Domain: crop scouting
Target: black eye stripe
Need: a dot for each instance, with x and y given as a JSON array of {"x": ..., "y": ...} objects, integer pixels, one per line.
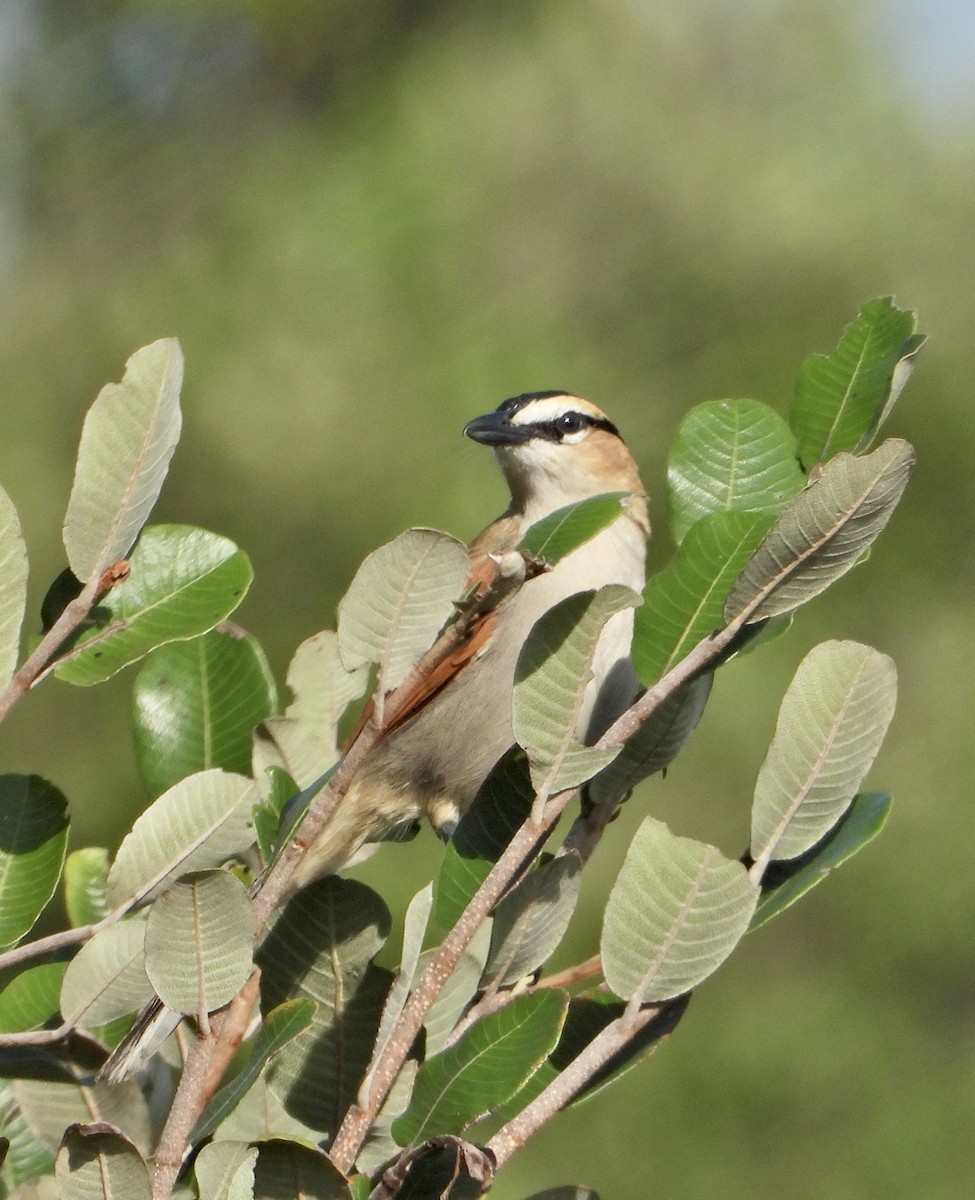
[{"x": 556, "y": 429}]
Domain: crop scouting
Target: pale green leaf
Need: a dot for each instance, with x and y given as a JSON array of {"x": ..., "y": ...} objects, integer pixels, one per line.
[
  {"x": 842, "y": 398},
  {"x": 13, "y": 587},
  {"x": 129, "y": 436},
  {"x": 278, "y": 1028},
  {"x": 531, "y": 920},
  {"x": 553, "y": 672},
  {"x": 97, "y": 1162},
  {"x": 199, "y": 823},
  {"x": 182, "y": 581},
  {"x": 568, "y": 528},
  {"x": 684, "y": 602},
  {"x": 831, "y": 725},
  {"x": 823, "y": 533},
  {"x": 380, "y": 1145},
  {"x": 677, "y": 910},
  {"x": 225, "y": 1171},
  {"x": 33, "y": 837},
  {"x": 49, "y": 1106},
  {"x": 414, "y": 930},
  {"x": 85, "y": 879},
  {"x": 304, "y": 742},
  {"x": 483, "y": 1068},
  {"x": 400, "y": 598},
  {"x": 200, "y": 942},
  {"x": 107, "y": 978},
  {"x": 730, "y": 455},
  {"x": 261, "y": 1114},
  {"x": 288, "y": 1171},
  {"x": 321, "y": 948},
  {"x": 30, "y": 999},
  {"x": 195, "y": 704}
]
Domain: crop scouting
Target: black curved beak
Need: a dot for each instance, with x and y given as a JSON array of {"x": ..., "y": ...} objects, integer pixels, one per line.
[{"x": 496, "y": 429}]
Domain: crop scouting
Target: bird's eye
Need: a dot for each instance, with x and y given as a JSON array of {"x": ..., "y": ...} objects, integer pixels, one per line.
[{"x": 571, "y": 422}]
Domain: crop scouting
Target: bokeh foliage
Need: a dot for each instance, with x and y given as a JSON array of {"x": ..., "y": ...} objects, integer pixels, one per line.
[{"x": 369, "y": 223}]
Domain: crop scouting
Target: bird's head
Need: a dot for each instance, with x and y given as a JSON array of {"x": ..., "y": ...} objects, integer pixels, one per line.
[{"x": 555, "y": 449}]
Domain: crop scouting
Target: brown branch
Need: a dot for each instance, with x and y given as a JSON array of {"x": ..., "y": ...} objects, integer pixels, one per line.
[
  {"x": 71, "y": 618},
  {"x": 203, "y": 1069},
  {"x": 570, "y": 1082},
  {"x": 572, "y": 975},
  {"x": 526, "y": 842}
]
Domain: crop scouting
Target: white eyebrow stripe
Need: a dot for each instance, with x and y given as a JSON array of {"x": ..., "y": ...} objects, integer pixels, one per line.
[{"x": 549, "y": 409}]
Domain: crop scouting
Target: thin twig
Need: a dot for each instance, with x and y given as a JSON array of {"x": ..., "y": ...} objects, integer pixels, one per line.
[{"x": 573, "y": 975}]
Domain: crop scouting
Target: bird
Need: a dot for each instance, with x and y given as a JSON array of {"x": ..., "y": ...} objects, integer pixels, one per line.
[{"x": 553, "y": 449}]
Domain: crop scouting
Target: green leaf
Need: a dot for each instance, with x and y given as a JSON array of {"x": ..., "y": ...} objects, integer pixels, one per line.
[
  {"x": 267, "y": 815},
  {"x": 831, "y": 725},
  {"x": 198, "y": 824},
  {"x": 684, "y": 602},
  {"x": 321, "y": 948},
  {"x": 30, "y": 999},
  {"x": 288, "y": 1171},
  {"x": 501, "y": 806},
  {"x": 33, "y": 837},
  {"x": 200, "y": 942},
  {"x": 655, "y": 744},
  {"x": 225, "y": 1171},
  {"x": 399, "y": 600},
  {"x": 823, "y": 533},
  {"x": 484, "y": 1067},
  {"x": 13, "y": 587},
  {"x": 568, "y": 528},
  {"x": 182, "y": 582},
  {"x": 260, "y": 1114},
  {"x": 195, "y": 704},
  {"x": 278, "y": 1028},
  {"x": 49, "y": 1106},
  {"x": 85, "y": 878},
  {"x": 97, "y": 1162},
  {"x": 26, "y": 1158},
  {"x": 842, "y": 398},
  {"x": 107, "y": 978},
  {"x": 860, "y": 824},
  {"x": 128, "y": 438},
  {"x": 553, "y": 672},
  {"x": 531, "y": 920},
  {"x": 304, "y": 742},
  {"x": 730, "y": 455},
  {"x": 677, "y": 910}
]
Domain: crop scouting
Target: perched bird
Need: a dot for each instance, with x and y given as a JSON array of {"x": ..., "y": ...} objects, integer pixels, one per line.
[{"x": 554, "y": 449}]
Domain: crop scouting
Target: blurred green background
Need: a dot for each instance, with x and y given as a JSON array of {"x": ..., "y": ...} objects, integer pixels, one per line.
[{"x": 370, "y": 220}]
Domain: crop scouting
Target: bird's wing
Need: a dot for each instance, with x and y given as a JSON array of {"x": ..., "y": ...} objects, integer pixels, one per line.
[{"x": 498, "y": 539}]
